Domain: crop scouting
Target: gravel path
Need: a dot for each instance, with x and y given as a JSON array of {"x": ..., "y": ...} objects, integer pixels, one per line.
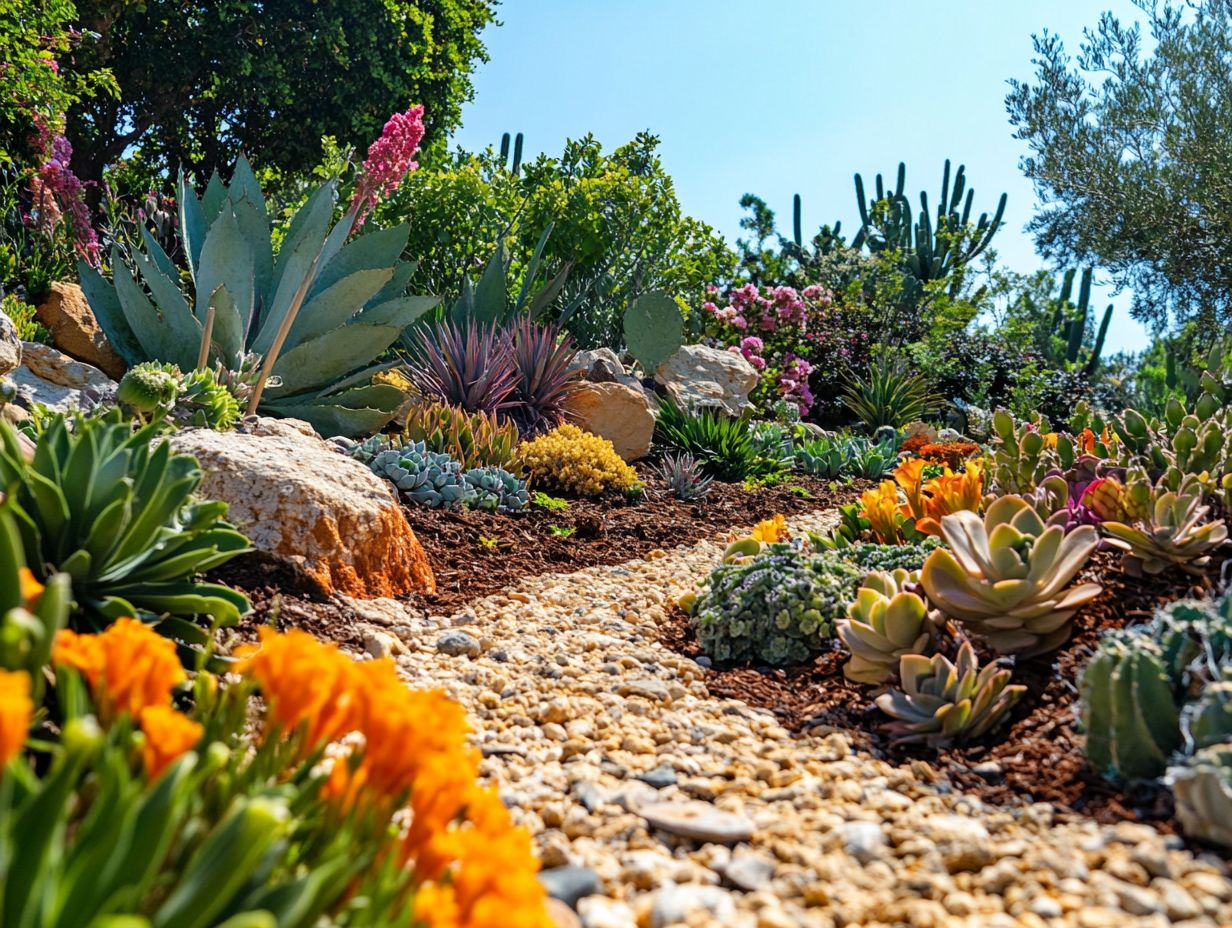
[{"x": 654, "y": 804}]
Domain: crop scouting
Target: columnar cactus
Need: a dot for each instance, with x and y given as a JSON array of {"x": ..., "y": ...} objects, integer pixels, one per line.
[
  {"x": 1208, "y": 719},
  {"x": 942, "y": 702},
  {"x": 1202, "y": 786},
  {"x": 1008, "y": 576},
  {"x": 1129, "y": 710},
  {"x": 885, "y": 622}
]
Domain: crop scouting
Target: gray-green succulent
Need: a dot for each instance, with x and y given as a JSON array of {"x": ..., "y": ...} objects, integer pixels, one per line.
[
  {"x": 495, "y": 489},
  {"x": 1202, "y": 786},
  {"x": 423, "y": 477}
]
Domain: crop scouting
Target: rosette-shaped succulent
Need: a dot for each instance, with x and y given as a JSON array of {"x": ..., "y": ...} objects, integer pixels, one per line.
[
  {"x": 1175, "y": 533},
  {"x": 495, "y": 489},
  {"x": 1129, "y": 709},
  {"x": 205, "y": 403},
  {"x": 1203, "y": 790},
  {"x": 148, "y": 387},
  {"x": 944, "y": 703},
  {"x": 423, "y": 477},
  {"x": 1009, "y": 577},
  {"x": 885, "y": 622},
  {"x": 366, "y": 450},
  {"x": 778, "y": 607}
]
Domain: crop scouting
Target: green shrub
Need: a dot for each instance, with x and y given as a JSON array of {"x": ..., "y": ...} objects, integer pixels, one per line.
[
  {"x": 890, "y": 395},
  {"x": 727, "y": 448},
  {"x": 29, "y": 329}
]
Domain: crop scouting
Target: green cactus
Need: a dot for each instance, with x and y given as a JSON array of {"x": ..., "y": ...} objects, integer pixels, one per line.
[
  {"x": 517, "y": 154},
  {"x": 1069, "y": 321},
  {"x": 1208, "y": 719},
  {"x": 1202, "y": 786},
  {"x": 1022, "y": 457},
  {"x": 1129, "y": 708},
  {"x": 778, "y": 607},
  {"x": 149, "y": 388},
  {"x": 654, "y": 329},
  {"x": 886, "y": 622}
]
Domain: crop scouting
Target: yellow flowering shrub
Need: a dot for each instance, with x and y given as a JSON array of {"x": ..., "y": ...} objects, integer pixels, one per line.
[{"x": 574, "y": 461}]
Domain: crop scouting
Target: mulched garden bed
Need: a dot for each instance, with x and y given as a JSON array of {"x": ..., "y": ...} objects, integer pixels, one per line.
[{"x": 1037, "y": 758}]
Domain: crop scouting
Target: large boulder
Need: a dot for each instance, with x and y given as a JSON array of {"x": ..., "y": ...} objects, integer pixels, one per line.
[
  {"x": 602, "y": 365},
  {"x": 10, "y": 345},
  {"x": 51, "y": 378},
  {"x": 297, "y": 498},
  {"x": 620, "y": 413},
  {"x": 67, "y": 315},
  {"x": 697, "y": 375}
]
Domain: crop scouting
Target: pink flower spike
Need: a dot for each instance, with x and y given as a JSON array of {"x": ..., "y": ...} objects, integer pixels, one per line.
[{"x": 390, "y": 159}]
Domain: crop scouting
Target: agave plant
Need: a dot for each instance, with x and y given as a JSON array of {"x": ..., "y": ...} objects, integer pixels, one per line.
[
  {"x": 885, "y": 623},
  {"x": 943, "y": 703},
  {"x": 725, "y": 446},
  {"x": 683, "y": 477},
  {"x": 318, "y": 313},
  {"x": 1175, "y": 533},
  {"x": 824, "y": 457},
  {"x": 113, "y": 509},
  {"x": 889, "y": 395},
  {"x": 1008, "y": 576}
]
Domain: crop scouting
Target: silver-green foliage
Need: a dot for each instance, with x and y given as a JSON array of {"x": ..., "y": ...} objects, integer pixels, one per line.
[
  {"x": 1202, "y": 785},
  {"x": 320, "y": 311},
  {"x": 779, "y": 607},
  {"x": 872, "y": 557},
  {"x": 423, "y": 477},
  {"x": 495, "y": 489}
]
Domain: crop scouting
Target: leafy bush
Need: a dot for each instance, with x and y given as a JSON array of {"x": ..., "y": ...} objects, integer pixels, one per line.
[
  {"x": 727, "y": 447},
  {"x": 113, "y": 509},
  {"x": 574, "y": 461},
  {"x": 778, "y": 607},
  {"x": 890, "y": 395},
  {"x": 29, "y": 329}
]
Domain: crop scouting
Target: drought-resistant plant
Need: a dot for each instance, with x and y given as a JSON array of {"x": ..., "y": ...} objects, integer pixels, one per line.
[
  {"x": 113, "y": 508},
  {"x": 779, "y": 606},
  {"x": 472, "y": 439},
  {"x": 890, "y": 395},
  {"x": 1009, "y": 577},
  {"x": 871, "y": 556},
  {"x": 885, "y": 622},
  {"x": 1202, "y": 785},
  {"x": 423, "y": 477},
  {"x": 870, "y": 458},
  {"x": 30, "y": 612},
  {"x": 153, "y": 389},
  {"x": 726, "y": 446},
  {"x": 578, "y": 462},
  {"x": 542, "y": 356},
  {"x": 467, "y": 366},
  {"x": 1175, "y": 533},
  {"x": 318, "y": 313},
  {"x": 495, "y": 489},
  {"x": 930, "y": 499},
  {"x": 683, "y": 477},
  {"x": 943, "y": 702},
  {"x": 1023, "y": 454},
  {"x": 825, "y": 457},
  {"x": 1208, "y": 719}
]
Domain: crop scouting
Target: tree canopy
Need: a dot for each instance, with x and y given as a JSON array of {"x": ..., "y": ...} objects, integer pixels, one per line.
[
  {"x": 1131, "y": 157},
  {"x": 200, "y": 81}
]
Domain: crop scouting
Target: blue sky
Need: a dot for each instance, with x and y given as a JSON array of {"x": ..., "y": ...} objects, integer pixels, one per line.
[{"x": 784, "y": 97}]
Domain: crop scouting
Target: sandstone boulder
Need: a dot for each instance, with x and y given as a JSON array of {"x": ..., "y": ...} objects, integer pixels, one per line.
[
  {"x": 67, "y": 315},
  {"x": 620, "y": 413},
  {"x": 10, "y": 345},
  {"x": 698, "y": 375},
  {"x": 297, "y": 498},
  {"x": 602, "y": 365},
  {"x": 55, "y": 380}
]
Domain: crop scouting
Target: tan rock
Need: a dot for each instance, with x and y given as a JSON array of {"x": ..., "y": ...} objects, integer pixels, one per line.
[
  {"x": 297, "y": 498},
  {"x": 53, "y": 379},
  {"x": 698, "y": 375},
  {"x": 10, "y": 345},
  {"x": 67, "y": 315},
  {"x": 622, "y": 414}
]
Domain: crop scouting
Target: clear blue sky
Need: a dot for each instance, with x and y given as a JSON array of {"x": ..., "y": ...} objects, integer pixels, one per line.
[{"x": 784, "y": 96}]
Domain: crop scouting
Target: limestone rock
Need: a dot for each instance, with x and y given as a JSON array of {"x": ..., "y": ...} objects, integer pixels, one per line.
[
  {"x": 55, "y": 380},
  {"x": 67, "y": 315},
  {"x": 620, "y": 413},
  {"x": 698, "y": 375},
  {"x": 602, "y": 365},
  {"x": 10, "y": 345},
  {"x": 297, "y": 498},
  {"x": 698, "y": 821}
]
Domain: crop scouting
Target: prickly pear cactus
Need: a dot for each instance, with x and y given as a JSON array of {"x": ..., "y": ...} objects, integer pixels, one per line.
[{"x": 654, "y": 329}]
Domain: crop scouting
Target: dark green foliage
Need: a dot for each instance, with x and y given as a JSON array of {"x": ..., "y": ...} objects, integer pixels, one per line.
[
  {"x": 113, "y": 509},
  {"x": 892, "y": 394},
  {"x": 725, "y": 446}
]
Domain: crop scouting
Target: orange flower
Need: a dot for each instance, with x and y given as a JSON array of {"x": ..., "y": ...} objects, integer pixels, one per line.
[
  {"x": 16, "y": 710},
  {"x": 910, "y": 476},
  {"x": 950, "y": 453},
  {"x": 305, "y": 682},
  {"x": 951, "y": 493},
  {"x": 168, "y": 734},
  {"x": 771, "y": 530},
  {"x": 1086, "y": 441},
  {"x": 31, "y": 589},
  {"x": 884, "y": 514},
  {"x": 128, "y": 667}
]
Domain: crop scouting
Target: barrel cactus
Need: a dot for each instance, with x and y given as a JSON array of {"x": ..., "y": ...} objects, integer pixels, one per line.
[
  {"x": 1129, "y": 708},
  {"x": 778, "y": 607},
  {"x": 421, "y": 476},
  {"x": 943, "y": 702},
  {"x": 149, "y": 387},
  {"x": 495, "y": 489},
  {"x": 1208, "y": 719},
  {"x": 1202, "y": 786},
  {"x": 1008, "y": 576},
  {"x": 885, "y": 622}
]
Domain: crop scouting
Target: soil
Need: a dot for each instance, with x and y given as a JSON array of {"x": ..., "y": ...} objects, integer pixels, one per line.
[{"x": 1037, "y": 758}]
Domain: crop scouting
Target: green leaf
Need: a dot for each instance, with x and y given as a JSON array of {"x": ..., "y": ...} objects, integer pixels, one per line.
[
  {"x": 323, "y": 359},
  {"x": 159, "y": 341},
  {"x": 226, "y": 260},
  {"x": 333, "y": 307},
  {"x": 105, "y": 304}
]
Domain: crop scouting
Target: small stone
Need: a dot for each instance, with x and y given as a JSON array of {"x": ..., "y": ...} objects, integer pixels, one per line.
[
  {"x": 660, "y": 777},
  {"x": 601, "y": 912},
  {"x": 990, "y": 770},
  {"x": 458, "y": 644},
  {"x": 1046, "y": 907},
  {"x": 749, "y": 872},
  {"x": 562, "y": 916},
  {"x": 863, "y": 840},
  {"x": 698, "y": 821},
  {"x": 647, "y": 689},
  {"x": 674, "y": 904},
  {"x": 1137, "y": 900},
  {"x": 569, "y": 884}
]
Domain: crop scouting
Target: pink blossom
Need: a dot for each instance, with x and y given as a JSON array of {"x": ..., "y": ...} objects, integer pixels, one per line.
[
  {"x": 390, "y": 158},
  {"x": 58, "y": 193},
  {"x": 739, "y": 322},
  {"x": 752, "y": 343}
]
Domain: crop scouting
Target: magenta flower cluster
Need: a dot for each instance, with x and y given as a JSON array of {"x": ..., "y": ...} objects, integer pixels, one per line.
[
  {"x": 56, "y": 193},
  {"x": 390, "y": 158}
]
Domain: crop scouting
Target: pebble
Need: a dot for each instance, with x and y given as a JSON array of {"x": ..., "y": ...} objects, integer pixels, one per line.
[
  {"x": 863, "y": 840},
  {"x": 749, "y": 872},
  {"x": 569, "y": 884},
  {"x": 458, "y": 644},
  {"x": 674, "y": 904},
  {"x": 697, "y": 821},
  {"x": 660, "y": 777}
]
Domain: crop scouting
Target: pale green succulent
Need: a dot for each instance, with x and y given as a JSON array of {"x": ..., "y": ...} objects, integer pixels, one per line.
[
  {"x": 884, "y": 623},
  {"x": 319, "y": 313},
  {"x": 495, "y": 489},
  {"x": 149, "y": 387},
  {"x": 943, "y": 703},
  {"x": 1202, "y": 786},
  {"x": 1174, "y": 534},
  {"x": 1208, "y": 719},
  {"x": 1009, "y": 577},
  {"x": 421, "y": 476}
]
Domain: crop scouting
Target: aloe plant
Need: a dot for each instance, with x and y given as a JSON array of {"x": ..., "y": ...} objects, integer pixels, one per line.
[{"x": 319, "y": 312}]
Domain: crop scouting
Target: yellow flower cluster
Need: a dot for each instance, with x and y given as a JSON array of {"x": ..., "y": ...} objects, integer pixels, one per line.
[
  {"x": 575, "y": 461},
  {"x": 16, "y": 710},
  {"x": 927, "y": 500},
  {"x": 473, "y": 867},
  {"x": 131, "y": 670},
  {"x": 768, "y": 531}
]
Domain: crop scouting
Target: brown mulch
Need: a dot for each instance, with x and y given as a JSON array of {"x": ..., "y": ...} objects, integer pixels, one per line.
[{"x": 1037, "y": 758}]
